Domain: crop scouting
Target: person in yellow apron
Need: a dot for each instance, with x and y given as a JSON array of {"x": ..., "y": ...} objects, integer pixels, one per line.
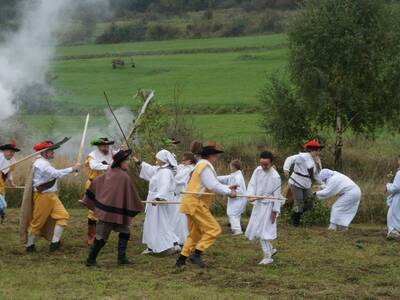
[
  {"x": 7, "y": 152},
  {"x": 203, "y": 227},
  {"x": 97, "y": 163}
]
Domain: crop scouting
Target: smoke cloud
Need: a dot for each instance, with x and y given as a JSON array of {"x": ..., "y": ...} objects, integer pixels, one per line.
[{"x": 25, "y": 55}]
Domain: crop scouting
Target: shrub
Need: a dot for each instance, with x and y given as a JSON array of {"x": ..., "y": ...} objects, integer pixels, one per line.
[
  {"x": 122, "y": 33},
  {"x": 162, "y": 32}
]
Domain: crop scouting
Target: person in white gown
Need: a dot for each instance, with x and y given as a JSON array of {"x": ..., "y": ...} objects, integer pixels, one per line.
[
  {"x": 158, "y": 234},
  {"x": 262, "y": 226},
  {"x": 393, "y": 201},
  {"x": 345, "y": 208},
  {"x": 236, "y": 206},
  {"x": 183, "y": 172}
]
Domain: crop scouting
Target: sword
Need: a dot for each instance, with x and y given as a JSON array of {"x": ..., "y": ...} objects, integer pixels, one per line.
[
  {"x": 80, "y": 152},
  {"x": 142, "y": 111},
  {"x": 115, "y": 118}
]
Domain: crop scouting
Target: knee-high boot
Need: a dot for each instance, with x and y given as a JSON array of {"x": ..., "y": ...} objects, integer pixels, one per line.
[
  {"x": 94, "y": 251},
  {"x": 123, "y": 239}
]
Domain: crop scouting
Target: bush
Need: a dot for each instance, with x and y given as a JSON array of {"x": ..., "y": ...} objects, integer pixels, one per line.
[
  {"x": 235, "y": 28},
  {"x": 123, "y": 33},
  {"x": 162, "y": 32}
]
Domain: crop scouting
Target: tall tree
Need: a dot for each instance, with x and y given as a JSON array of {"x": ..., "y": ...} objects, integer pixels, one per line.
[{"x": 345, "y": 61}]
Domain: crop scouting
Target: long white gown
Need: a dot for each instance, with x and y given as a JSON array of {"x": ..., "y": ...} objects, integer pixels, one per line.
[
  {"x": 235, "y": 206},
  {"x": 302, "y": 162},
  {"x": 263, "y": 183},
  {"x": 158, "y": 234},
  {"x": 178, "y": 219},
  {"x": 393, "y": 201},
  {"x": 345, "y": 208}
]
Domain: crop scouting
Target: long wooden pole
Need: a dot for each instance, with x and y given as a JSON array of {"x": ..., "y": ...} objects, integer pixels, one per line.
[
  {"x": 82, "y": 145},
  {"x": 162, "y": 202},
  {"x": 24, "y": 159},
  {"x": 239, "y": 196}
]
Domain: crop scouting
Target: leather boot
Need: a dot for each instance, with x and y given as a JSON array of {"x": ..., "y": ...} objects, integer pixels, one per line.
[
  {"x": 181, "y": 262},
  {"x": 195, "y": 259},
  {"x": 94, "y": 251},
  {"x": 296, "y": 217},
  {"x": 123, "y": 239}
]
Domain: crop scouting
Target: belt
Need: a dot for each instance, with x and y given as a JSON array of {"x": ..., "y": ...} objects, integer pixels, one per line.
[{"x": 302, "y": 175}]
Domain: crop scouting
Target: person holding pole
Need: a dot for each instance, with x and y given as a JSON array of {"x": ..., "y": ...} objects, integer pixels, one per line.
[
  {"x": 7, "y": 152},
  {"x": 158, "y": 233},
  {"x": 114, "y": 199},
  {"x": 263, "y": 221},
  {"x": 48, "y": 213},
  {"x": 203, "y": 227}
]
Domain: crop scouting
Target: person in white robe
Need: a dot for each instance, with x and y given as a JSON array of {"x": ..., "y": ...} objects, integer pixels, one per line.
[
  {"x": 178, "y": 219},
  {"x": 158, "y": 234},
  {"x": 345, "y": 208},
  {"x": 393, "y": 201},
  {"x": 236, "y": 206},
  {"x": 262, "y": 226},
  {"x": 306, "y": 167}
]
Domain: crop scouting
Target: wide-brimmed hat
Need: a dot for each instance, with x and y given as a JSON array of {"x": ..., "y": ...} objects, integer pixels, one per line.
[
  {"x": 101, "y": 141},
  {"x": 49, "y": 145},
  {"x": 210, "y": 150},
  {"x": 313, "y": 144},
  {"x": 174, "y": 141},
  {"x": 11, "y": 146},
  {"x": 120, "y": 156}
]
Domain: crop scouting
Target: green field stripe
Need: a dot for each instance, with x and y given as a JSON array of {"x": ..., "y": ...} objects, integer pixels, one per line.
[{"x": 172, "y": 52}]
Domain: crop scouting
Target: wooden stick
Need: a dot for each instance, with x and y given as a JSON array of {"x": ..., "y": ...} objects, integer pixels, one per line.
[
  {"x": 24, "y": 159},
  {"x": 239, "y": 196},
  {"x": 161, "y": 202},
  {"x": 15, "y": 187},
  {"x": 82, "y": 146}
]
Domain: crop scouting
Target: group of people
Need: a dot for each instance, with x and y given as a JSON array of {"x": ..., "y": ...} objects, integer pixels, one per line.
[{"x": 178, "y": 217}]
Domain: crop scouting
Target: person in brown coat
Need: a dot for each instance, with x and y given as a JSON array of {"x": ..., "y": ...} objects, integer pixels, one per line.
[{"x": 115, "y": 201}]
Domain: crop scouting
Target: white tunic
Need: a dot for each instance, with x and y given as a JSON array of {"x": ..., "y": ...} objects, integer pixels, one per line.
[
  {"x": 346, "y": 206},
  {"x": 263, "y": 183},
  {"x": 96, "y": 163},
  {"x": 178, "y": 219},
  {"x": 236, "y": 206},
  {"x": 44, "y": 172},
  {"x": 302, "y": 163},
  {"x": 158, "y": 233},
  {"x": 393, "y": 201},
  {"x": 4, "y": 163}
]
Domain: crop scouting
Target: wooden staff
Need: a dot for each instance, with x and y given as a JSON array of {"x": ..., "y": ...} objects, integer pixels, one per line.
[
  {"x": 82, "y": 146},
  {"x": 240, "y": 196},
  {"x": 24, "y": 159},
  {"x": 15, "y": 187},
  {"x": 161, "y": 202}
]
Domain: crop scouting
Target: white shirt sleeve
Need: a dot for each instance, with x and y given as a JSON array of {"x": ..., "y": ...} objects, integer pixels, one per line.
[
  {"x": 97, "y": 166},
  {"x": 394, "y": 187},
  {"x": 210, "y": 181},
  {"x": 289, "y": 162},
  {"x": 224, "y": 179},
  {"x": 277, "y": 194},
  {"x": 147, "y": 171},
  {"x": 251, "y": 187},
  {"x": 51, "y": 172},
  {"x": 330, "y": 190}
]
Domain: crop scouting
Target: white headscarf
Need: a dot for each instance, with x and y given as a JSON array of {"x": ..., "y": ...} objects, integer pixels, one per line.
[
  {"x": 167, "y": 157},
  {"x": 325, "y": 174}
]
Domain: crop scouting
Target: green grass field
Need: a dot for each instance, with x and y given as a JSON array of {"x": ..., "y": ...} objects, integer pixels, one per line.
[{"x": 311, "y": 264}]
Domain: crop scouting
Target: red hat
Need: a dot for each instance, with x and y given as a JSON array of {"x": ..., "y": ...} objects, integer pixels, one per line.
[
  {"x": 314, "y": 144},
  {"x": 43, "y": 145}
]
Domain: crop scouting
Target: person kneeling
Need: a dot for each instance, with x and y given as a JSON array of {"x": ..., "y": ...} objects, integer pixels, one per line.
[{"x": 114, "y": 200}]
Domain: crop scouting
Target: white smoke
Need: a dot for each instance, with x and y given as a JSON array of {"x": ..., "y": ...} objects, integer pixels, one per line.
[{"x": 25, "y": 55}]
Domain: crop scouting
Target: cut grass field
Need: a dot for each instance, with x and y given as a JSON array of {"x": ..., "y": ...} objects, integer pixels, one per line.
[{"x": 311, "y": 263}]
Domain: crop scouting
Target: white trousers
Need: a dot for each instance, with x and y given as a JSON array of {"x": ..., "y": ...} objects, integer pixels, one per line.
[
  {"x": 266, "y": 247},
  {"x": 234, "y": 220}
]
